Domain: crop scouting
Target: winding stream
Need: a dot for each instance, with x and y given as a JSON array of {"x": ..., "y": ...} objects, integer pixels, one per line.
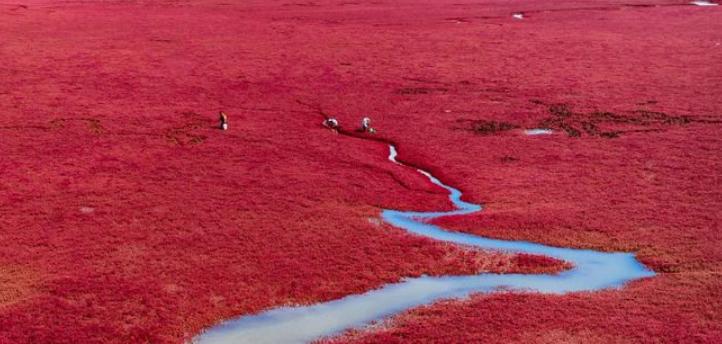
[{"x": 592, "y": 270}]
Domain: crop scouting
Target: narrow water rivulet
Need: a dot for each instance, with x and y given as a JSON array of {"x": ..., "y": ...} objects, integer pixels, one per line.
[{"x": 592, "y": 270}]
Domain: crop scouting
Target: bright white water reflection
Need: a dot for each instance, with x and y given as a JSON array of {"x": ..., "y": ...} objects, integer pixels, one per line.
[
  {"x": 592, "y": 271},
  {"x": 703, "y": 3},
  {"x": 538, "y": 131}
]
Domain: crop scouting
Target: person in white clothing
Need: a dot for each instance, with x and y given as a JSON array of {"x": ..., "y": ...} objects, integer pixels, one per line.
[
  {"x": 331, "y": 123},
  {"x": 366, "y": 125}
]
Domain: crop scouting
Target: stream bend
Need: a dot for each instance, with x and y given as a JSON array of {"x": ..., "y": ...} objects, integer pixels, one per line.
[{"x": 591, "y": 271}]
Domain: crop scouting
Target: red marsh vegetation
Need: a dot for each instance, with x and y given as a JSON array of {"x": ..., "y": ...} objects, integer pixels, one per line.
[{"x": 126, "y": 216}]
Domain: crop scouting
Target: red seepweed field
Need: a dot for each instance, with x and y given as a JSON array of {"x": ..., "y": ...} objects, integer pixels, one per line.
[{"x": 127, "y": 217}]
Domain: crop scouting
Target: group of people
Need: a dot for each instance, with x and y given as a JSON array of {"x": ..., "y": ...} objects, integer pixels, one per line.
[
  {"x": 330, "y": 123},
  {"x": 333, "y": 124}
]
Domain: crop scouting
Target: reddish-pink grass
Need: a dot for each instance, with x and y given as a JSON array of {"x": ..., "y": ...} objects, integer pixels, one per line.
[{"x": 139, "y": 222}]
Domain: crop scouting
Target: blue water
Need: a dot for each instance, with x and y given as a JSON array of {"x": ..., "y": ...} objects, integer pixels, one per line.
[{"x": 592, "y": 270}]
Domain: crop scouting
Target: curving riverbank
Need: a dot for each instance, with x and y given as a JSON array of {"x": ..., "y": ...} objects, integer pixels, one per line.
[{"x": 592, "y": 270}]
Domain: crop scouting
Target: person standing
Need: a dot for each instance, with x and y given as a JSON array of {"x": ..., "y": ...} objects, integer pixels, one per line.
[
  {"x": 224, "y": 121},
  {"x": 366, "y": 125}
]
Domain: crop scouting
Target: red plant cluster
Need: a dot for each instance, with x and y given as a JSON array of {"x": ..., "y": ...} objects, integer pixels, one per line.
[{"x": 126, "y": 216}]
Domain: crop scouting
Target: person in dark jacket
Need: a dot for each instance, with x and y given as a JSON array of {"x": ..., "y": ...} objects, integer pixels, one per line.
[{"x": 223, "y": 121}]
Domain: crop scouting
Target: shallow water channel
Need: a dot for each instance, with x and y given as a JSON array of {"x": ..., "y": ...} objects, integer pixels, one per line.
[{"x": 592, "y": 270}]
